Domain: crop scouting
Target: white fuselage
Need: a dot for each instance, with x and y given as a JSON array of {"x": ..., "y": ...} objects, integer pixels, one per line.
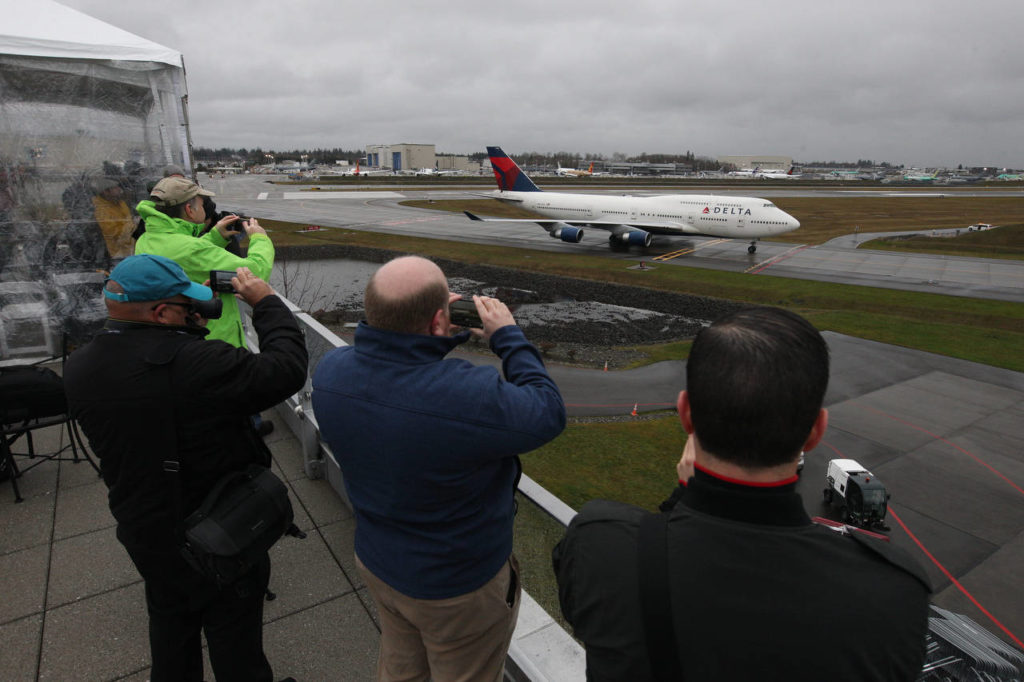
[{"x": 718, "y": 216}]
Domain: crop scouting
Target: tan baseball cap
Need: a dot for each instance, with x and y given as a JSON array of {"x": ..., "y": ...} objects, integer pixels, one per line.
[{"x": 174, "y": 190}]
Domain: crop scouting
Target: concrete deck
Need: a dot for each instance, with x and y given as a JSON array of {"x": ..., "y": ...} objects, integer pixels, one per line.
[{"x": 72, "y": 604}]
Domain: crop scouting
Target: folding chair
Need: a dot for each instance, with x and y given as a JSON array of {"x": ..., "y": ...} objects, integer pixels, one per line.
[{"x": 33, "y": 398}]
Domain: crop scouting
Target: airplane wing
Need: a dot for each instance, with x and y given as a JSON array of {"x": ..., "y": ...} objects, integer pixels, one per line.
[
  {"x": 655, "y": 227},
  {"x": 490, "y": 195}
]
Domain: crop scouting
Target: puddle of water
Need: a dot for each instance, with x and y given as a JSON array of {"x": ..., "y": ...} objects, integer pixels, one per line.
[{"x": 338, "y": 284}]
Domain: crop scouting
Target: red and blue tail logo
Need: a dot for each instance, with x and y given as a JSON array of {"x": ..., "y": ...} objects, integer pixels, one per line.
[{"x": 509, "y": 176}]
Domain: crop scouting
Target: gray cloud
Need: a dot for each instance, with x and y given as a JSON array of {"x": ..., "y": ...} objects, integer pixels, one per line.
[{"x": 920, "y": 82}]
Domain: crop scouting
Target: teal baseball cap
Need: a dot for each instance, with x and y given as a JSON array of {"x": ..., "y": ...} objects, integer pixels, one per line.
[{"x": 148, "y": 277}]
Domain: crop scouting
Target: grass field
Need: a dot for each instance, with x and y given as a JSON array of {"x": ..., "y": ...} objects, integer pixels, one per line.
[{"x": 1006, "y": 241}]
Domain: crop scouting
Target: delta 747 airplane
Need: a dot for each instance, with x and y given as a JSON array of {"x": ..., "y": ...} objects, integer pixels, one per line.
[{"x": 632, "y": 220}]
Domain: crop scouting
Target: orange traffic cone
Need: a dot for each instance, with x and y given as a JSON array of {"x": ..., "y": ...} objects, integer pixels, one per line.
[
  {"x": 635, "y": 405},
  {"x": 606, "y": 365}
]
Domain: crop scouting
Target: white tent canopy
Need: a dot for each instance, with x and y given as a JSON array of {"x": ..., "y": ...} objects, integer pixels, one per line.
[
  {"x": 85, "y": 107},
  {"x": 76, "y": 93},
  {"x": 43, "y": 28}
]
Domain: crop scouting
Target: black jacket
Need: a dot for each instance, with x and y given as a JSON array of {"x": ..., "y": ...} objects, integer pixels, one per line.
[
  {"x": 758, "y": 591},
  {"x": 145, "y": 394}
]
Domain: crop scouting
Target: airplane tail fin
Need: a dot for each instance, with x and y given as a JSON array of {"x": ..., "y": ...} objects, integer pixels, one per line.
[
  {"x": 591, "y": 169},
  {"x": 509, "y": 176}
]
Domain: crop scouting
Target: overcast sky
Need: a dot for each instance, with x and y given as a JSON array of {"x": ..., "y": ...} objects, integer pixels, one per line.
[{"x": 917, "y": 82}]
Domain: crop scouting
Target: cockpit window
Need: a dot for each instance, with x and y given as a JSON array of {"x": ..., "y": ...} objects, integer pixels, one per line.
[{"x": 768, "y": 205}]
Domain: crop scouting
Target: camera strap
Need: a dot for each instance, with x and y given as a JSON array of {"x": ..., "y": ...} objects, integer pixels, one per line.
[{"x": 656, "y": 597}]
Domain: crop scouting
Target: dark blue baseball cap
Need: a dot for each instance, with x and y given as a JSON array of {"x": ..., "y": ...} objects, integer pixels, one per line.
[{"x": 148, "y": 277}]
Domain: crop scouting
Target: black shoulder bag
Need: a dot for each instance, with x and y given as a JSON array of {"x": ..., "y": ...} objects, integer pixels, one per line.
[
  {"x": 244, "y": 515},
  {"x": 655, "y": 598},
  {"x": 240, "y": 519}
]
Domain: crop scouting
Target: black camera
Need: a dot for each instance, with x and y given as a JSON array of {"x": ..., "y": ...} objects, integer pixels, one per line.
[
  {"x": 236, "y": 226},
  {"x": 220, "y": 280},
  {"x": 215, "y": 216},
  {"x": 463, "y": 313},
  {"x": 211, "y": 310}
]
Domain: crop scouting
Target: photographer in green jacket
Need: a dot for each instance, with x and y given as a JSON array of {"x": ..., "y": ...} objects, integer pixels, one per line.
[{"x": 174, "y": 216}]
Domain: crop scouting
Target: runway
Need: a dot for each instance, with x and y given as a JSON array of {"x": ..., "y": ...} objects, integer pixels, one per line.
[{"x": 836, "y": 261}]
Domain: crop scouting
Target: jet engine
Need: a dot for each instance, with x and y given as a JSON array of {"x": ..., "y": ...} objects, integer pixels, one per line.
[
  {"x": 632, "y": 238},
  {"x": 566, "y": 233}
]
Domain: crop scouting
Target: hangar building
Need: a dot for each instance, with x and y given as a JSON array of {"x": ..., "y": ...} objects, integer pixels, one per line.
[{"x": 399, "y": 157}]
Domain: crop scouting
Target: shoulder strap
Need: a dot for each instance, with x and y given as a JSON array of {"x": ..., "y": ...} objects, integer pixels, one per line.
[
  {"x": 655, "y": 598},
  {"x": 172, "y": 467}
]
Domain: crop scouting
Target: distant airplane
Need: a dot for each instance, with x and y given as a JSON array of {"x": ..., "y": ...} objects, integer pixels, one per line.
[
  {"x": 575, "y": 173},
  {"x": 632, "y": 220},
  {"x": 919, "y": 176},
  {"x": 778, "y": 174},
  {"x": 1010, "y": 176},
  {"x": 961, "y": 179},
  {"x": 435, "y": 171},
  {"x": 367, "y": 171},
  {"x": 744, "y": 172}
]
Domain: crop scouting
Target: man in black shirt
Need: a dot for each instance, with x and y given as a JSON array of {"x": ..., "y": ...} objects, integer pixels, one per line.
[
  {"x": 749, "y": 587},
  {"x": 149, "y": 391}
]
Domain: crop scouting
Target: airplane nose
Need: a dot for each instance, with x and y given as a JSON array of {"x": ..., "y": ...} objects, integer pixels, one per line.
[{"x": 791, "y": 223}]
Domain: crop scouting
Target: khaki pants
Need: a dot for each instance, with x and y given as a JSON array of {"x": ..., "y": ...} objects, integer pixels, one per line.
[{"x": 461, "y": 639}]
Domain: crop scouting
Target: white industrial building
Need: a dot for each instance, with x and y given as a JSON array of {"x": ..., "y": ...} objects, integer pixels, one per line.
[
  {"x": 400, "y": 157},
  {"x": 416, "y": 157}
]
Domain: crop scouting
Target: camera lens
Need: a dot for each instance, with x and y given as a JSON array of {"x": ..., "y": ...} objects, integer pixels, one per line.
[{"x": 211, "y": 309}]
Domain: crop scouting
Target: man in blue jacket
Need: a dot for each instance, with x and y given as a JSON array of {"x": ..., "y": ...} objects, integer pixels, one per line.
[{"x": 429, "y": 450}]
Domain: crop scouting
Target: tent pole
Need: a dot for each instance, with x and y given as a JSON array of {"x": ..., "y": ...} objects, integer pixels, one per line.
[{"x": 185, "y": 122}]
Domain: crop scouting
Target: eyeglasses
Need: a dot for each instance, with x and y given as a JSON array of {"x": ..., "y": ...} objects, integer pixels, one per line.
[
  {"x": 189, "y": 306},
  {"x": 210, "y": 310}
]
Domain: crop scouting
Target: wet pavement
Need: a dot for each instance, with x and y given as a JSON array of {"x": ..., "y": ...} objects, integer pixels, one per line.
[{"x": 73, "y": 606}]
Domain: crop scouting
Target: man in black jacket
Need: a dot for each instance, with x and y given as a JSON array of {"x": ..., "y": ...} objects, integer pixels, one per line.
[
  {"x": 149, "y": 390},
  {"x": 746, "y": 585}
]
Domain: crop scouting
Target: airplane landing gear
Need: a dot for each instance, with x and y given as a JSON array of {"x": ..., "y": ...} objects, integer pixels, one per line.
[{"x": 752, "y": 248}]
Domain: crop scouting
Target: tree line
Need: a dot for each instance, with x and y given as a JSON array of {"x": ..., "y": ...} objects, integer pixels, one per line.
[{"x": 259, "y": 156}]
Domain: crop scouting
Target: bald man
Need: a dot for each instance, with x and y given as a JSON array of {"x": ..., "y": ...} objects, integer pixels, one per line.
[
  {"x": 429, "y": 447},
  {"x": 157, "y": 401}
]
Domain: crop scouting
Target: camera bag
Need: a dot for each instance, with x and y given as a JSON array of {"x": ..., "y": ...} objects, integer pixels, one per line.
[
  {"x": 244, "y": 514},
  {"x": 242, "y": 517}
]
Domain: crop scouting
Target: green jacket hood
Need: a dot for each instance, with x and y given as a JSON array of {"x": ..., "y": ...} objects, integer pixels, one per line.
[{"x": 161, "y": 222}]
